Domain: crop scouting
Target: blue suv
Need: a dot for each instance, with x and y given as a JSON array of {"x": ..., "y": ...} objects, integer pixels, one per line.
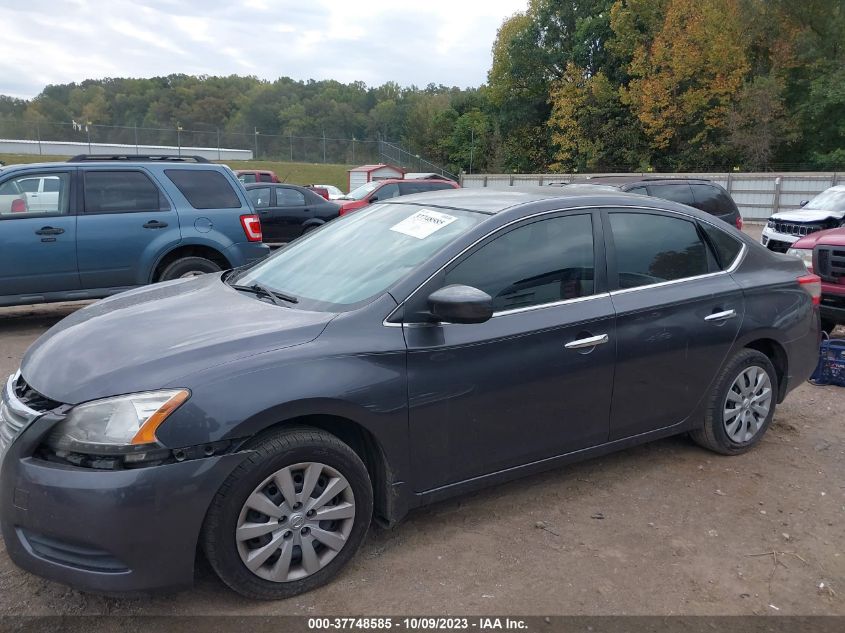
[{"x": 97, "y": 225}]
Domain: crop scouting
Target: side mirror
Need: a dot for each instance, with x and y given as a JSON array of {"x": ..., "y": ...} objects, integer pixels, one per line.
[
  {"x": 460, "y": 304},
  {"x": 803, "y": 203}
]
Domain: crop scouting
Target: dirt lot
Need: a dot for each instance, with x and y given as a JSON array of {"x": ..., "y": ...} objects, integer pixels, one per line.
[{"x": 666, "y": 528}]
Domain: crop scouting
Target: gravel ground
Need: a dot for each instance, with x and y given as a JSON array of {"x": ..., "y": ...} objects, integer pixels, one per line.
[{"x": 661, "y": 529}]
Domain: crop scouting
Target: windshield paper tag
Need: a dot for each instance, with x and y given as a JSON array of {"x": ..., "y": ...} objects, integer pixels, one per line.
[{"x": 423, "y": 223}]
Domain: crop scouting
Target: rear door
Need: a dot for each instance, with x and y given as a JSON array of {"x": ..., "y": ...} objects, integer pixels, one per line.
[
  {"x": 126, "y": 222},
  {"x": 677, "y": 316},
  {"x": 38, "y": 246},
  {"x": 283, "y": 220}
]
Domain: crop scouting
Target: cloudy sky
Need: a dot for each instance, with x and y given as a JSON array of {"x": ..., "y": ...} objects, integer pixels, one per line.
[{"x": 418, "y": 42}]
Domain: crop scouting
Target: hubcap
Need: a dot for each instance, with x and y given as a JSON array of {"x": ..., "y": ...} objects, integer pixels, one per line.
[
  {"x": 747, "y": 404},
  {"x": 295, "y": 522}
]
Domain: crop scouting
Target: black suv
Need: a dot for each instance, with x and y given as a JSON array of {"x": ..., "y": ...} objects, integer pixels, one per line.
[{"x": 699, "y": 193}]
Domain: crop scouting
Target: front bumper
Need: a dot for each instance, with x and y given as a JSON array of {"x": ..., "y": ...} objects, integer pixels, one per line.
[
  {"x": 775, "y": 241},
  {"x": 833, "y": 302},
  {"x": 105, "y": 531}
]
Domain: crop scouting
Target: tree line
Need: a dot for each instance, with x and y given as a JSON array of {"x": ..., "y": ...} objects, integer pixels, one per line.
[{"x": 575, "y": 85}]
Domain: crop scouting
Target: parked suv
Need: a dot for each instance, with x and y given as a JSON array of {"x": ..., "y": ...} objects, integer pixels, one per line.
[
  {"x": 380, "y": 190},
  {"x": 693, "y": 192},
  {"x": 98, "y": 225},
  {"x": 825, "y": 211},
  {"x": 824, "y": 254}
]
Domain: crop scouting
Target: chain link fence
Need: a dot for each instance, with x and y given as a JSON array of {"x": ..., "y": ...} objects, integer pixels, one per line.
[{"x": 262, "y": 144}]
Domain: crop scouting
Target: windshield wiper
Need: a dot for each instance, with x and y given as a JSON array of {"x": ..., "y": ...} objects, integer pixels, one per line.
[{"x": 274, "y": 295}]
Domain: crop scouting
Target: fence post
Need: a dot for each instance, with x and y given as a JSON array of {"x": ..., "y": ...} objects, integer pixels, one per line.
[
  {"x": 255, "y": 155},
  {"x": 485, "y": 181},
  {"x": 291, "y": 146},
  {"x": 730, "y": 182},
  {"x": 776, "y": 203},
  {"x": 136, "y": 139},
  {"x": 511, "y": 182},
  {"x": 324, "y": 146},
  {"x": 38, "y": 136},
  {"x": 218, "y": 143}
]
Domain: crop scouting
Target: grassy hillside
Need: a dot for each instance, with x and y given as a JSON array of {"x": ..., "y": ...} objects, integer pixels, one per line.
[{"x": 296, "y": 173}]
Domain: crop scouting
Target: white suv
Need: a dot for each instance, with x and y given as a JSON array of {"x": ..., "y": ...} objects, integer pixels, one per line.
[{"x": 825, "y": 211}]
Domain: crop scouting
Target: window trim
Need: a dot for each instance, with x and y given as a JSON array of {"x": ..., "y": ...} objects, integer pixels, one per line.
[
  {"x": 164, "y": 204},
  {"x": 386, "y": 322}
]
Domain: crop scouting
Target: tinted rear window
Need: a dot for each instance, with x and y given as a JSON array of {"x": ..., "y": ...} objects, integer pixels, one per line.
[
  {"x": 678, "y": 192},
  {"x": 204, "y": 188},
  {"x": 712, "y": 199},
  {"x": 726, "y": 246}
]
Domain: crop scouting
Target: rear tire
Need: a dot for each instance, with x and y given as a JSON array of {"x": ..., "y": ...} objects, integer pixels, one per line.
[
  {"x": 289, "y": 548},
  {"x": 188, "y": 267},
  {"x": 740, "y": 406}
]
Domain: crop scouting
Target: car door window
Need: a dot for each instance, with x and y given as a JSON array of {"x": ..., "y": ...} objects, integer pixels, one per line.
[
  {"x": 21, "y": 197},
  {"x": 286, "y": 197},
  {"x": 640, "y": 190},
  {"x": 204, "y": 188},
  {"x": 678, "y": 192},
  {"x": 542, "y": 262},
  {"x": 387, "y": 191},
  {"x": 651, "y": 249},
  {"x": 260, "y": 197},
  {"x": 121, "y": 192},
  {"x": 707, "y": 198}
]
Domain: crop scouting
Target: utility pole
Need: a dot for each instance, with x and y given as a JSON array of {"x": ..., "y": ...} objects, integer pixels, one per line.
[
  {"x": 179, "y": 138},
  {"x": 255, "y": 156}
]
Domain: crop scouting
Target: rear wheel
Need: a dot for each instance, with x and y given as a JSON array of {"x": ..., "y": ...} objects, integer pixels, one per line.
[
  {"x": 741, "y": 404},
  {"x": 289, "y": 517},
  {"x": 188, "y": 267}
]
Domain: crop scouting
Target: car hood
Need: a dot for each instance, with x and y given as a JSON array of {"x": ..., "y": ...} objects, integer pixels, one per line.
[
  {"x": 830, "y": 237},
  {"x": 148, "y": 338},
  {"x": 807, "y": 215}
]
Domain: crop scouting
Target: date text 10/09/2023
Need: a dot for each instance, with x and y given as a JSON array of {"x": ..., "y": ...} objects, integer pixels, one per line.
[{"x": 418, "y": 624}]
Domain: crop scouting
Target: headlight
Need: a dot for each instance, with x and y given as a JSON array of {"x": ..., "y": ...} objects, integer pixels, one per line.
[
  {"x": 804, "y": 254},
  {"x": 114, "y": 426}
]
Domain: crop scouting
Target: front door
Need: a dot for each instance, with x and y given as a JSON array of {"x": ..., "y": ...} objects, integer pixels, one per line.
[
  {"x": 677, "y": 316},
  {"x": 126, "y": 222},
  {"x": 37, "y": 245},
  {"x": 534, "y": 381}
]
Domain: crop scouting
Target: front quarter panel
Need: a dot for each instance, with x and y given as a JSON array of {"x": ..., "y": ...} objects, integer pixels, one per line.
[{"x": 354, "y": 370}]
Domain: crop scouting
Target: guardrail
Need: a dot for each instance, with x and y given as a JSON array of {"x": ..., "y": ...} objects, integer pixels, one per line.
[{"x": 758, "y": 195}]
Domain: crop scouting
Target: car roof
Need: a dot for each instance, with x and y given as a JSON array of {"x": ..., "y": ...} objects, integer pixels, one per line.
[{"x": 489, "y": 200}]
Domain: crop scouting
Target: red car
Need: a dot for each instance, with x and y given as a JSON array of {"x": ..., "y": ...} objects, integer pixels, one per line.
[
  {"x": 390, "y": 188},
  {"x": 824, "y": 253},
  {"x": 247, "y": 176}
]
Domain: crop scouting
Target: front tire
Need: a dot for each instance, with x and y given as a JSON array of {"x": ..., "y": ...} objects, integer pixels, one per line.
[
  {"x": 188, "y": 267},
  {"x": 740, "y": 406},
  {"x": 290, "y": 516}
]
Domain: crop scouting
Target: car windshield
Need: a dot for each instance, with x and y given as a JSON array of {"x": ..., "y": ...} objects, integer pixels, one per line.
[
  {"x": 830, "y": 200},
  {"x": 363, "y": 191},
  {"x": 359, "y": 256}
]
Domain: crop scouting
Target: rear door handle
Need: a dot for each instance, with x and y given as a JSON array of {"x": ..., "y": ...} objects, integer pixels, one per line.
[
  {"x": 155, "y": 224},
  {"x": 49, "y": 230},
  {"x": 591, "y": 341},
  {"x": 721, "y": 316}
]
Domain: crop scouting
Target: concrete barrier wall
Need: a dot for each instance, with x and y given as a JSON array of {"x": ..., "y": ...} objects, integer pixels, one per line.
[
  {"x": 757, "y": 195},
  {"x": 66, "y": 148}
]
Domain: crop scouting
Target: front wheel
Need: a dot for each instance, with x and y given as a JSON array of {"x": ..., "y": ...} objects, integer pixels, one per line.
[
  {"x": 741, "y": 404},
  {"x": 290, "y": 516}
]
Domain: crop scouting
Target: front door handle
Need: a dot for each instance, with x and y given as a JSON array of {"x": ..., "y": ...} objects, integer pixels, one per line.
[
  {"x": 49, "y": 230},
  {"x": 721, "y": 316},
  {"x": 155, "y": 224},
  {"x": 590, "y": 341}
]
